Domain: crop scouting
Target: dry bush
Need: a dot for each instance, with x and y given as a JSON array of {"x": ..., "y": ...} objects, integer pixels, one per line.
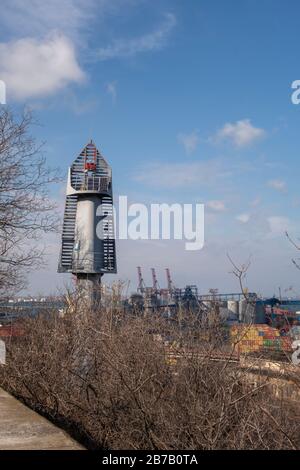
[{"x": 109, "y": 379}]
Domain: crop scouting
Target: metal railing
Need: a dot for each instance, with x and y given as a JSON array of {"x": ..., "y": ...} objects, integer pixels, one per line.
[
  {"x": 94, "y": 262},
  {"x": 98, "y": 184}
]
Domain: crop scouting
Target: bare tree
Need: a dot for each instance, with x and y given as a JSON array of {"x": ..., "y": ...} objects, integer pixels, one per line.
[
  {"x": 143, "y": 382},
  {"x": 25, "y": 208},
  {"x": 240, "y": 272}
]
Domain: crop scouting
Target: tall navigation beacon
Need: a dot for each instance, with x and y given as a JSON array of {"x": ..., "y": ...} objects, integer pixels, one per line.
[{"x": 88, "y": 242}]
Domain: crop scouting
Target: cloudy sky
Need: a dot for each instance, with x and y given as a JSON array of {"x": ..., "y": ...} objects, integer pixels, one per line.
[{"x": 189, "y": 102}]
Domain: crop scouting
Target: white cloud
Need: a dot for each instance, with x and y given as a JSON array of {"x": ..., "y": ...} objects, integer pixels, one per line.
[
  {"x": 189, "y": 141},
  {"x": 33, "y": 68},
  {"x": 111, "y": 89},
  {"x": 78, "y": 104},
  {"x": 37, "y": 17},
  {"x": 278, "y": 225},
  {"x": 42, "y": 38},
  {"x": 218, "y": 206},
  {"x": 182, "y": 175},
  {"x": 243, "y": 218},
  {"x": 241, "y": 133},
  {"x": 148, "y": 42},
  {"x": 256, "y": 202},
  {"x": 279, "y": 185}
]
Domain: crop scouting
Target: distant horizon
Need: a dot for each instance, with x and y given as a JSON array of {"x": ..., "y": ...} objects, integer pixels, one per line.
[{"x": 42, "y": 298}]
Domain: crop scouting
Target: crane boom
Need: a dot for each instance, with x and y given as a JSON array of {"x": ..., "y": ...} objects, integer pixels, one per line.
[
  {"x": 169, "y": 280},
  {"x": 141, "y": 284},
  {"x": 154, "y": 280}
]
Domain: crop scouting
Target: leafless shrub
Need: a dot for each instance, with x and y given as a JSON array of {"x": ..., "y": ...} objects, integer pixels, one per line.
[{"x": 141, "y": 382}]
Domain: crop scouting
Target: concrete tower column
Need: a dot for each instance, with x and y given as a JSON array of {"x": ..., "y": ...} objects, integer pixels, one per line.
[{"x": 89, "y": 291}]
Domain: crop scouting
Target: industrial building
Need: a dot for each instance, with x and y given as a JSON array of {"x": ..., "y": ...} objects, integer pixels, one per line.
[{"x": 234, "y": 307}]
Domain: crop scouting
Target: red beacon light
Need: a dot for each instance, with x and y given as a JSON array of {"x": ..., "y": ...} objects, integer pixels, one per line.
[
  {"x": 90, "y": 160},
  {"x": 90, "y": 166}
]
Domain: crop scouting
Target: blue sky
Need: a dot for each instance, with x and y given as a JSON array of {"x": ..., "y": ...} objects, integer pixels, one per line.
[{"x": 189, "y": 102}]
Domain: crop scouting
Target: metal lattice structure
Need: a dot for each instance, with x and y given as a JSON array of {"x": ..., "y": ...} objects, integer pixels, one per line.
[{"x": 88, "y": 240}]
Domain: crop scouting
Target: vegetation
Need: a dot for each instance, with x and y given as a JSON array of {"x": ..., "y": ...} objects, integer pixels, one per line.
[
  {"x": 26, "y": 211},
  {"x": 142, "y": 382}
]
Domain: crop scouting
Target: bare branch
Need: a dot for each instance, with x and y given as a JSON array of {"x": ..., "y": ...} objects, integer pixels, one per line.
[{"x": 26, "y": 210}]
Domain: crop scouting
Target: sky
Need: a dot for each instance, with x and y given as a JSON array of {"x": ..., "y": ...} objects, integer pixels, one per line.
[{"x": 190, "y": 102}]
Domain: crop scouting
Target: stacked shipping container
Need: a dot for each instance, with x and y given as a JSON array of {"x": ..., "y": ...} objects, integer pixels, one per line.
[{"x": 259, "y": 338}]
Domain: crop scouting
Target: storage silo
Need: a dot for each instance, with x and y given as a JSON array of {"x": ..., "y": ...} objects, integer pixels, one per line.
[
  {"x": 233, "y": 307},
  {"x": 242, "y": 310}
]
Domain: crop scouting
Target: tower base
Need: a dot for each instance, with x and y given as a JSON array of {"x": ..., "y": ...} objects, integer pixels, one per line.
[{"x": 88, "y": 288}]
